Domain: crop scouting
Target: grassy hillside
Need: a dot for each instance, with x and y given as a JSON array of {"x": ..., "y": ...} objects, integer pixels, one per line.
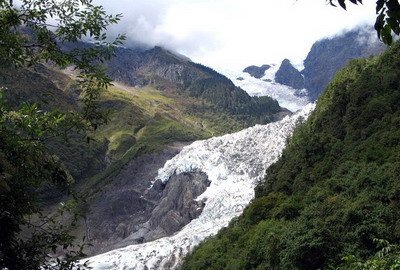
[
  {"x": 336, "y": 187},
  {"x": 147, "y": 115},
  {"x": 142, "y": 120}
]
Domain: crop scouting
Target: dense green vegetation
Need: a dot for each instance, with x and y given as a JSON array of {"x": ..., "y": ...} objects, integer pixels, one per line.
[
  {"x": 336, "y": 187},
  {"x": 27, "y": 167},
  {"x": 387, "y": 258},
  {"x": 220, "y": 91},
  {"x": 172, "y": 73}
]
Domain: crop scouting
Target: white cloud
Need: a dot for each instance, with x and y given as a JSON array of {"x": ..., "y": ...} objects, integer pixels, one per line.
[{"x": 235, "y": 33}]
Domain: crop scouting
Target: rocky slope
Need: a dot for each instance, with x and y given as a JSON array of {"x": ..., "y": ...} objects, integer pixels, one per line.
[
  {"x": 325, "y": 58},
  {"x": 329, "y": 55},
  {"x": 126, "y": 211},
  {"x": 233, "y": 164},
  {"x": 288, "y": 75},
  {"x": 257, "y": 72}
]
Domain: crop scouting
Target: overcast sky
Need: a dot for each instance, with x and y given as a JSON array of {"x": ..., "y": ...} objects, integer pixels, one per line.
[{"x": 235, "y": 33}]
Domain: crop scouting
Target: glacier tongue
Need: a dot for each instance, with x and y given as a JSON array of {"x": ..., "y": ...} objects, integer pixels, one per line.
[{"x": 234, "y": 163}]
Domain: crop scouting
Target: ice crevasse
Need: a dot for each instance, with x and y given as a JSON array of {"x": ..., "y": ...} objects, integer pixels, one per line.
[{"x": 233, "y": 163}]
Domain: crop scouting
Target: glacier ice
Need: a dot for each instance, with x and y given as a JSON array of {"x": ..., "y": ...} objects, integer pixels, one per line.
[
  {"x": 285, "y": 95},
  {"x": 234, "y": 163}
]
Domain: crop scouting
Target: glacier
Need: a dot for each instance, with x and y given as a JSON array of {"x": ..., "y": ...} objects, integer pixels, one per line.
[
  {"x": 266, "y": 86},
  {"x": 233, "y": 163}
]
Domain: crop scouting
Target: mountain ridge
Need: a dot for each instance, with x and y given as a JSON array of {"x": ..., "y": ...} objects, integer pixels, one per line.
[
  {"x": 168, "y": 72},
  {"x": 324, "y": 59}
]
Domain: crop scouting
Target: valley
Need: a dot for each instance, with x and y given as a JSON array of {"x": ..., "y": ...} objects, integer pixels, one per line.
[
  {"x": 333, "y": 191},
  {"x": 232, "y": 165},
  {"x": 276, "y": 166}
]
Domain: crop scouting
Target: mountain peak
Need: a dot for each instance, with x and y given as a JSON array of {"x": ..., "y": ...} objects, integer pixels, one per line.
[
  {"x": 256, "y": 71},
  {"x": 158, "y": 50},
  {"x": 288, "y": 75}
]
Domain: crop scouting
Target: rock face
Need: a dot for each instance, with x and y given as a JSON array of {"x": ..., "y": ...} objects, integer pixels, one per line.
[
  {"x": 257, "y": 72},
  {"x": 133, "y": 209},
  {"x": 329, "y": 55},
  {"x": 178, "y": 206},
  {"x": 325, "y": 58},
  {"x": 288, "y": 75}
]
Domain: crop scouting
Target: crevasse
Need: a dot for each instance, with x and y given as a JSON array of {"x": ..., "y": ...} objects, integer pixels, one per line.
[{"x": 233, "y": 163}]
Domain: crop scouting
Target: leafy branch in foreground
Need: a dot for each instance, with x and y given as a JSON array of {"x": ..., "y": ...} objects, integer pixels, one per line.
[
  {"x": 387, "y": 21},
  {"x": 35, "y": 32}
]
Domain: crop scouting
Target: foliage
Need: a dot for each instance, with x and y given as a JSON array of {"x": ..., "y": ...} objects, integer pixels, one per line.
[
  {"x": 387, "y": 258},
  {"x": 36, "y": 31},
  {"x": 387, "y": 21},
  {"x": 33, "y": 32},
  {"x": 224, "y": 95},
  {"x": 335, "y": 188},
  {"x": 25, "y": 167}
]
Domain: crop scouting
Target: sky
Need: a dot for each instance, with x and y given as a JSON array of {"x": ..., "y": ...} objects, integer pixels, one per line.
[{"x": 235, "y": 33}]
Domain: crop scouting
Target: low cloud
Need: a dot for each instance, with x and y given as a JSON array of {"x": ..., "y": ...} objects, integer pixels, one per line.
[
  {"x": 233, "y": 33},
  {"x": 144, "y": 23}
]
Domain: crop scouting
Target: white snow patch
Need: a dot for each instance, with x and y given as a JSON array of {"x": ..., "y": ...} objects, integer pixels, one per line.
[
  {"x": 285, "y": 95},
  {"x": 234, "y": 163}
]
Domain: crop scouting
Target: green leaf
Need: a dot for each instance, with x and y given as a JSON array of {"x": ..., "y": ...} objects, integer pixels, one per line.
[
  {"x": 380, "y": 22},
  {"x": 393, "y": 25},
  {"x": 386, "y": 34},
  {"x": 342, "y": 4},
  {"x": 379, "y": 5}
]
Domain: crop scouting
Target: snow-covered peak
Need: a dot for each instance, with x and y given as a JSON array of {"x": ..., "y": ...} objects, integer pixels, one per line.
[{"x": 233, "y": 163}]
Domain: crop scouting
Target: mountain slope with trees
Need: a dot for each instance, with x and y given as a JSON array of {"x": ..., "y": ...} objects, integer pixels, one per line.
[
  {"x": 142, "y": 121},
  {"x": 335, "y": 188},
  {"x": 167, "y": 71}
]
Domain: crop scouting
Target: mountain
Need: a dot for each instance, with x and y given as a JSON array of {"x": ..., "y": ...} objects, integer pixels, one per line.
[
  {"x": 160, "y": 101},
  {"x": 169, "y": 72},
  {"x": 257, "y": 72},
  {"x": 289, "y": 98},
  {"x": 224, "y": 170},
  {"x": 146, "y": 128},
  {"x": 334, "y": 190},
  {"x": 34, "y": 85},
  {"x": 325, "y": 58},
  {"x": 288, "y": 75},
  {"x": 329, "y": 55}
]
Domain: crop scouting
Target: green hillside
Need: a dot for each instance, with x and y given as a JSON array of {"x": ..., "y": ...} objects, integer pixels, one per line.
[
  {"x": 141, "y": 120},
  {"x": 336, "y": 187},
  {"x": 169, "y": 72},
  {"x": 144, "y": 120}
]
